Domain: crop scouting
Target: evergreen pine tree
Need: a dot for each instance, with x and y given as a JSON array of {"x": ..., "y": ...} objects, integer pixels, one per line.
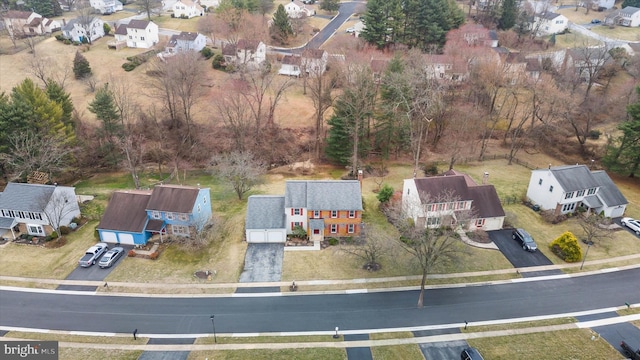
[
  {"x": 103, "y": 105},
  {"x": 339, "y": 143},
  {"x": 42, "y": 7},
  {"x": 623, "y": 154},
  {"x": 63, "y": 98},
  {"x": 509, "y": 15},
  {"x": 81, "y": 67},
  {"x": 281, "y": 29}
]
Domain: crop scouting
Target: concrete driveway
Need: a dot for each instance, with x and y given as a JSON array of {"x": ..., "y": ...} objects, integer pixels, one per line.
[
  {"x": 93, "y": 273},
  {"x": 518, "y": 257},
  {"x": 263, "y": 263}
]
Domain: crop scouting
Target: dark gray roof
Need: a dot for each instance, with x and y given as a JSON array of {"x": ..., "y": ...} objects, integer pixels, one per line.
[
  {"x": 138, "y": 24},
  {"x": 69, "y": 25},
  {"x": 126, "y": 211},
  {"x": 26, "y": 197},
  {"x": 453, "y": 185},
  {"x": 265, "y": 212},
  {"x": 7, "y": 223},
  {"x": 574, "y": 177},
  {"x": 630, "y": 10},
  {"x": 324, "y": 194},
  {"x": 549, "y": 15},
  {"x": 316, "y": 224},
  {"x": 608, "y": 191},
  {"x": 592, "y": 201},
  {"x": 121, "y": 29}
]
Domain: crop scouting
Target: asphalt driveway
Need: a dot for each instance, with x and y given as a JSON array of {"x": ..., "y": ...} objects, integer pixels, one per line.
[
  {"x": 92, "y": 273},
  {"x": 513, "y": 251},
  {"x": 617, "y": 221},
  {"x": 616, "y": 333},
  {"x": 263, "y": 263}
]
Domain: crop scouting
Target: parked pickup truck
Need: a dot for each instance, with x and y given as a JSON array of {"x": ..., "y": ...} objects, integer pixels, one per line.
[
  {"x": 93, "y": 254},
  {"x": 631, "y": 353}
]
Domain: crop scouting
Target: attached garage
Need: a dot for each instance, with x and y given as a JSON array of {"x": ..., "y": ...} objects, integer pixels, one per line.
[
  {"x": 125, "y": 239},
  {"x": 108, "y": 237},
  {"x": 265, "y": 219},
  {"x": 125, "y": 218}
]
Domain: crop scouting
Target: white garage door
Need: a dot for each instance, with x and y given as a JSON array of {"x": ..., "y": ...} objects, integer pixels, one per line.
[
  {"x": 256, "y": 236},
  {"x": 276, "y": 236},
  {"x": 109, "y": 237},
  {"x": 126, "y": 239}
]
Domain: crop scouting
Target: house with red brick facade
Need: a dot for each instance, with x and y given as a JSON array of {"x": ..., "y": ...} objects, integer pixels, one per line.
[{"x": 323, "y": 208}]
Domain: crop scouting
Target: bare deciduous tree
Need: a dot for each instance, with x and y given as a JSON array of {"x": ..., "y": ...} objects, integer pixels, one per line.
[
  {"x": 262, "y": 92},
  {"x": 150, "y": 7},
  {"x": 240, "y": 169},
  {"x": 33, "y": 152},
  {"x": 58, "y": 208},
  {"x": 594, "y": 227},
  {"x": 372, "y": 249},
  {"x": 46, "y": 68},
  {"x": 320, "y": 87},
  {"x": 235, "y": 115},
  {"x": 86, "y": 15}
]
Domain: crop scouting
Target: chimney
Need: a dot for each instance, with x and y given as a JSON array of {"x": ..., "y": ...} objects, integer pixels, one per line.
[
  {"x": 360, "y": 175},
  {"x": 485, "y": 178}
]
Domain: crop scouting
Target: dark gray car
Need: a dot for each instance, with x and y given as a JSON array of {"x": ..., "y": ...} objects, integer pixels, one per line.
[{"x": 525, "y": 239}]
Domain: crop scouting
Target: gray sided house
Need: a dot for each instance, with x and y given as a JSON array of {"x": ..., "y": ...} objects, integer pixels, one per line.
[
  {"x": 565, "y": 188},
  {"x": 36, "y": 209}
]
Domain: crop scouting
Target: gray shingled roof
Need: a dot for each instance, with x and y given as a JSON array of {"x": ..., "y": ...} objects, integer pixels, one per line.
[
  {"x": 574, "y": 177},
  {"x": 6, "y": 223},
  {"x": 629, "y": 10},
  {"x": 608, "y": 191},
  {"x": 486, "y": 201},
  {"x": 173, "y": 198},
  {"x": 592, "y": 201},
  {"x": 549, "y": 15},
  {"x": 26, "y": 197},
  {"x": 324, "y": 194},
  {"x": 265, "y": 212},
  {"x": 126, "y": 211}
]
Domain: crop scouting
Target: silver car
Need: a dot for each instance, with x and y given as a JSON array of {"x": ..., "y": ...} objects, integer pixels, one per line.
[
  {"x": 111, "y": 257},
  {"x": 632, "y": 224}
]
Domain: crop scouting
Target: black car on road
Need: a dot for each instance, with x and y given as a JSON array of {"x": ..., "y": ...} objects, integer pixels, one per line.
[{"x": 525, "y": 239}]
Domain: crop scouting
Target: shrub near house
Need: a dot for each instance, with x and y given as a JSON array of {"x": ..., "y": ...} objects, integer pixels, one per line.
[{"x": 566, "y": 247}]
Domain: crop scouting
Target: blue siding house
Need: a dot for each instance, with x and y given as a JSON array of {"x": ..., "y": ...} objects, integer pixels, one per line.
[{"x": 133, "y": 217}]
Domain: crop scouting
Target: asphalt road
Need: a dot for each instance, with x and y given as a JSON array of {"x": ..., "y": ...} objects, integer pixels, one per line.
[
  {"x": 345, "y": 12},
  {"x": 160, "y": 315}
]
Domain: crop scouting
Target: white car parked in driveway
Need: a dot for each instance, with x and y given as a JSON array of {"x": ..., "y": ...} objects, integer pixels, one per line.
[{"x": 632, "y": 224}]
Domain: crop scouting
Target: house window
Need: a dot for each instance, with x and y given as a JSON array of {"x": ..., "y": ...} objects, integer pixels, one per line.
[
  {"x": 297, "y": 211},
  {"x": 568, "y": 195},
  {"x": 440, "y": 207},
  {"x": 551, "y": 188},
  {"x": 155, "y": 214},
  {"x": 461, "y": 205},
  {"x": 334, "y": 228},
  {"x": 35, "y": 229},
  {"x": 198, "y": 207},
  {"x": 580, "y": 193},
  {"x": 352, "y": 214},
  {"x": 480, "y": 222},
  {"x": 540, "y": 182},
  {"x": 433, "y": 221},
  {"x": 170, "y": 216},
  {"x": 185, "y": 217},
  {"x": 130, "y": 37},
  {"x": 180, "y": 230},
  {"x": 591, "y": 191},
  {"x": 351, "y": 228},
  {"x": 142, "y": 38},
  {"x": 334, "y": 214},
  {"x": 316, "y": 214},
  {"x": 204, "y": 200},
  {"x": 295, "y": 223}
]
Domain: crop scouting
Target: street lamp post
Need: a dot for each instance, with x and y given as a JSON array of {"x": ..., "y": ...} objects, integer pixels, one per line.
[
  {"x": 213, "y": 323},
  {"x": 585, "y": 254}
]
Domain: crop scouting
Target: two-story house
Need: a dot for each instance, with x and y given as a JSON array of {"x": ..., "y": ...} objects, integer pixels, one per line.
[
  {"x": 77, "y": 30},
  {"x": 187, "y": 9},
  {"x": 141, "y": 34},
  {"x": 549, "y": 23},
  {"x": 629, "y": 16},
  {"x": 184, "y": 42},
  {"x": 245, "y": 54},
  {"x": 452, "y": 199},
  {"x": 323, "y": 208},
  {"x": 311, "y": 61},
  {"x": 21, "y": 24},
  {"x": 297, "y": 9},
  {"x": 106, "y": 7},
  {"x": 565, "y": 188},
  {"x": 36, "y": 209},
  {"x": 133, "y": 217}
]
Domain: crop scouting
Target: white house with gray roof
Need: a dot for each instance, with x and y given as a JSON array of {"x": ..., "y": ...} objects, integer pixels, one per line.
[
  {"x": 36, "y": 209},
  {"x": 323, "y": 208},
  {"x": 565, "y": 188}
]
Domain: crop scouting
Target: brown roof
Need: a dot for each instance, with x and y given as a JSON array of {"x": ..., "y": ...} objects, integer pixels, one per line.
[
  {"x": 173, "y": 198},
  {"x": 291, "y": 60},
  {"x": 138, "y": 24},
  {"x": 248, "y": 44},
  {"x": 126, "y": 211},
  {"x": 121, "y": 29},
  {"x": 485, "y": 200},
  {"x": 13, "y": 14}
]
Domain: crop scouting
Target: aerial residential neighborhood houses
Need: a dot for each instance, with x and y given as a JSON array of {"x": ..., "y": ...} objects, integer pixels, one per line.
[
  {"x": 185, "y": 41},
  {"x": 564, "y": 189},
  {"x": 187, "y": 9},
  {"x": 23, "y": 24},
  {"x": 137, "y": 34},
  {"x": 36, "y": 209},
  {"x": 134, "y": 216},
  {"x": 629, "y": 16},
  {"x": 452, "y": 199},
  {"x": 76, "y": 30},
  {"x": 297, "y": 9},
  {"x": 106, "y": 7},
  {"x": 549, "y": 23},
  {"x": 245, "y": 53}
]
